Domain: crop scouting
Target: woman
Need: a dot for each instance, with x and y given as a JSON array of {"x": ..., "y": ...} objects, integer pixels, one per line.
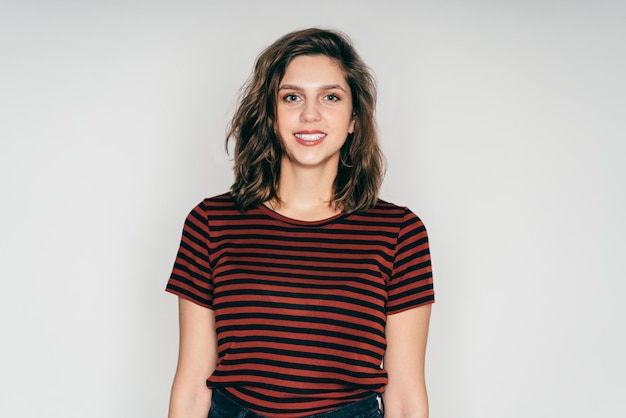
[{"x": 297, "y": 284}]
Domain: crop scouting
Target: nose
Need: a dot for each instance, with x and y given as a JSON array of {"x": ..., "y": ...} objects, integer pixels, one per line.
[{"x": 310, "y": 112}]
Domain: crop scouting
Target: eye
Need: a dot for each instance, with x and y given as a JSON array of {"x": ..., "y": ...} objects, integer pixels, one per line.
[
  {"x": 332, "y": 97},
  {"x": 291, "y": 98}
]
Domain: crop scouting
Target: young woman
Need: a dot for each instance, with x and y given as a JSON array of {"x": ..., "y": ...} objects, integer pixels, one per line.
[{"x": 300, "y": 292}]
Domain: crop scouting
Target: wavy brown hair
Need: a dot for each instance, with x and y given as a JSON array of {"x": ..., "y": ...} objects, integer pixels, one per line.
[{"x": 258, "y": 149}]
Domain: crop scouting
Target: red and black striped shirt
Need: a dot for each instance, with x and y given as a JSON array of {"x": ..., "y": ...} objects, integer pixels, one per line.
[{"x": 300, "y": 307}]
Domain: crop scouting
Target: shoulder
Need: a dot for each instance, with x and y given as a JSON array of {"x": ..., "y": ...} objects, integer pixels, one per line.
[
  {"x": 394, "y": 217},
  {"x": 216, "y": 204},
  {"x": 392, "y": 211},
  {"x": 224, "y": 199},
  {"x": 213, "y": 207},
  {"x": 389, "y": 207}
]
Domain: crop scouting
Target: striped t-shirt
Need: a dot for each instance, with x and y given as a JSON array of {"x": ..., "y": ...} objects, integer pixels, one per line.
[{"x": 300, "y": 307}]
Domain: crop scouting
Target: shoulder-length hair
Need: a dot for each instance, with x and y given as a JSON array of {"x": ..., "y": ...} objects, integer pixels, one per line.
[{"x": 258, "y": 149}]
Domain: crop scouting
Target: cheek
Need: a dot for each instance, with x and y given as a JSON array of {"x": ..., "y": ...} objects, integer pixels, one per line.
[
  {"x": 279, "y": 124},
  {"x": 283, "y": 119}
]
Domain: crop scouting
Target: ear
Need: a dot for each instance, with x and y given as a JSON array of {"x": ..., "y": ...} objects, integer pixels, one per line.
[{"x": 352, "y": 123}]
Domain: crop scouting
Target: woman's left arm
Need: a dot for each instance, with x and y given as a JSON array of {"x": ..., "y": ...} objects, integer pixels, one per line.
[{"x": 406, "y": 332}]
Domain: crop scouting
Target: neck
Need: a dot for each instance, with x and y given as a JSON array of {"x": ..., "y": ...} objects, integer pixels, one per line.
[{"x": 306, "y": 193}]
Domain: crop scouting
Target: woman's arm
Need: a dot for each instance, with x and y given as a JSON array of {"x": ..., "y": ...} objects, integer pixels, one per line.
[
  {"x": 406, "y": 332},
  {"x": 197, "y": 355}
]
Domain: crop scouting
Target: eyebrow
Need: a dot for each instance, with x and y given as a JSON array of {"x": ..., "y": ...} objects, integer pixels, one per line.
[{"x": 322, "y": 88}]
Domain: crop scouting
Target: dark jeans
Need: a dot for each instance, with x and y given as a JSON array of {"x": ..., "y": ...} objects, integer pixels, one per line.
[{"x": 224, "y": 407}]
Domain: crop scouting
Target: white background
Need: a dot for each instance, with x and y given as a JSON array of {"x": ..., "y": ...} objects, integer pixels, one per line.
[{"x": 503, "y": 125}]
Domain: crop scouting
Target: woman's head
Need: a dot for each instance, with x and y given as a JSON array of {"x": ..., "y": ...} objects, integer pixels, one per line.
[{"x": 258, "y": 147}]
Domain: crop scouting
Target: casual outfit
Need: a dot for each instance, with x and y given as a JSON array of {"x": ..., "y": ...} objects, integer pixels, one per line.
[{"x": 300, "y": 307}]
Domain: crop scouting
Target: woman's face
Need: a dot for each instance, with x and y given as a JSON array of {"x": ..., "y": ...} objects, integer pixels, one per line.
[{"x": 313, "y": 111}]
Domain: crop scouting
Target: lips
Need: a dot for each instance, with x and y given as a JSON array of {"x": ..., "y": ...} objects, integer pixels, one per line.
[{"x": 309, "y": 138}]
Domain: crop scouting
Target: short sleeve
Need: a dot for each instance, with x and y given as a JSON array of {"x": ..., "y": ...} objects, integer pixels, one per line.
[
  {"x": 411, "y": 281},
  {"x": 191, "y": 275}
]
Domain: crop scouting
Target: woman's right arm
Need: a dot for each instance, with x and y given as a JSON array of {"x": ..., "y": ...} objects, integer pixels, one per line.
[{"x": 197, "y": 356}]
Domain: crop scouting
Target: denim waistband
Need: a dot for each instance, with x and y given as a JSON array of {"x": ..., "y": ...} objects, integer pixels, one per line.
[{"x": 223, "y": 406}]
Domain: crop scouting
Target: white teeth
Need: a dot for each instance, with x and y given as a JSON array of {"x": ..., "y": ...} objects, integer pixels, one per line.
[{"x": 310, "y": 137}]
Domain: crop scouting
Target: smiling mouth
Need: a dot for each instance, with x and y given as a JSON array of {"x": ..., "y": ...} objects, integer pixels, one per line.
[{"x": 310, "y": 137}]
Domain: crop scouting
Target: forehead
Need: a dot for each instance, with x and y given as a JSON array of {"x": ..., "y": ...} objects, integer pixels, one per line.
[{"x": 314, "y": 69}]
